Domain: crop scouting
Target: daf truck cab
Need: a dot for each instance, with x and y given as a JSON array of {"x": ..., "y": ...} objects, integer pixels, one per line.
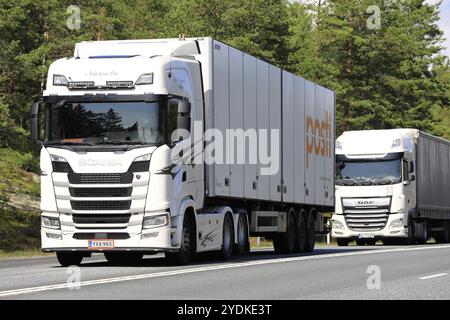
[{"x": 391, "y": 185}]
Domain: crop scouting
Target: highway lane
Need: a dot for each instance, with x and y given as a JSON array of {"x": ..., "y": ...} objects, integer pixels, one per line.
[{"x": 414, "y": 272}]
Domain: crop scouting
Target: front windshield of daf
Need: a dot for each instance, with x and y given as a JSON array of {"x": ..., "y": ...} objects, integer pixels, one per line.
[
  {"x": 363, "y": 172},
  {"x": 95, "y": 123}
]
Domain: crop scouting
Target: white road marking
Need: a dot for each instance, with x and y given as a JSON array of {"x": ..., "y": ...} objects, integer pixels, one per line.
[
  {"x": 211, "y": 268},
  {"x": 433, "y": 276}
]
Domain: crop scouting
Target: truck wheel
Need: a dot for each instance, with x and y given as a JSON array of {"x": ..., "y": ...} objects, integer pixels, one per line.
[
  {"x": 227, "y": 238},
  {"x": 187, "y": 248},
  {"x": 342, "y": 242},
  {"x": 300, "y": 238},
  {"x": 410, "y": 239},
  {"x": 310, "y": 234},
  {"x": 285, "y": 242},
  {"x": 123, "y": 258},
  {"x": 69, "y": 258},
  {"x": 243, "y": 245},
  {"x": 423, "y": 233}
]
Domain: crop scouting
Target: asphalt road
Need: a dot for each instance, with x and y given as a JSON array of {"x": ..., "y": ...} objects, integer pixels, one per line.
[{"x": 379, "y": 272}]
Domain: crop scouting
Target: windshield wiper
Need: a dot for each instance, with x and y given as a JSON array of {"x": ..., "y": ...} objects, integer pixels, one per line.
[
  {"x": 68, "y": 143},
  {"x": 125, "y": 143},
  {"x": 347, "y": 181}
]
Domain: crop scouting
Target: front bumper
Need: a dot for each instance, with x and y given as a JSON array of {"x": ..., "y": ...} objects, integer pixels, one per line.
[
  {"x": 151, "y": 240},
  {"x": 386, "y": 232}
]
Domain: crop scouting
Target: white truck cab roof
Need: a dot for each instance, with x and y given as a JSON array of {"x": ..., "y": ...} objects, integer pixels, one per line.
[{"x": 375, "y": 143}]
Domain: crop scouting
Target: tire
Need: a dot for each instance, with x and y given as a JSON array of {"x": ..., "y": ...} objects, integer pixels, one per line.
[
  {"x": 66, "y": 259},
  {"x": 342, "y": 242},
  {"x": 227, "y": 238},
  {"x": 187, "y": 249},
  {"x": 310, "y": 233},
  {"x": 243, "y": 244},
  {"x": 285, "y": 242},
  {"x": 410, "y": 239},
  {"x": 300, "y": 237},
  {"x": 123, "y": 258}
]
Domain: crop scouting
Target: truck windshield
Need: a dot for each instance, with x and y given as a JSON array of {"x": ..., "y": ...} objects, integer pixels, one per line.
[
  {"x": 368, "y": 172},
  {"x": 95, "y": 123}
]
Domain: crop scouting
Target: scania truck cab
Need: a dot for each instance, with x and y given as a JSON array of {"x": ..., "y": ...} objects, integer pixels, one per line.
[{"x": 384, "y": 180}]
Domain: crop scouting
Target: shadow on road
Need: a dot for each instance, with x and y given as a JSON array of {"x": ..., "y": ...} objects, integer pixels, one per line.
[{"x": 203, "y": 259}]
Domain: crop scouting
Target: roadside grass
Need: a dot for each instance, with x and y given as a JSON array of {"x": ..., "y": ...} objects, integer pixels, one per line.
[
  {"x": 19, "y": 174},
  {"x": 19, "y": 230},
  {"x": 24, "y": 254},
  {"x": 19, "y": 202}
]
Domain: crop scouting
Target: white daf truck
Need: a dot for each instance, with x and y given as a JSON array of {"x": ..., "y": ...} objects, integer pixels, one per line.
[
  {"x": 391, "y": 185},
  {"x": 180, "y": 146}
]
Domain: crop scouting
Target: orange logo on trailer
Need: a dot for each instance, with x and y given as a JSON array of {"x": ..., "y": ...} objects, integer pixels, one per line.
[{"x": 318, "y": 137}]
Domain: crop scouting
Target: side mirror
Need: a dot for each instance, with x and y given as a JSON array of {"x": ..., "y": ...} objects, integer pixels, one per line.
[
  {"x": 34, "y": 121},
  {"x": 411, "y": 177},
  {"x": 184, "y": 115},
  {"x": 410, "y": 167}
]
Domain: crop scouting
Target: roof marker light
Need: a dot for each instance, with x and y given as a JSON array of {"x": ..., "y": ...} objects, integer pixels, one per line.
[{"x": 396, "y": 143}]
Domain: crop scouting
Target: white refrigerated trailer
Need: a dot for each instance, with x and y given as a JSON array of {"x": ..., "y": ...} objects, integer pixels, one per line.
[
  {"x": 392, "y": 185},
  {"x": 110, "y": 181}
]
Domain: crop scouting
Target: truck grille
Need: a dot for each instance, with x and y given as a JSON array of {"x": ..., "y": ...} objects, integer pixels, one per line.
[
  {"x": 109, "y": 235},
  {"x": 365, "y": 221},
  {"x": 100, "y": 192},
  {"x": 101, "y": 218},
  {"x": 366, "y": 214},
  {"x": 100, "y": 205},
  {"x": 100, "y": 178}
]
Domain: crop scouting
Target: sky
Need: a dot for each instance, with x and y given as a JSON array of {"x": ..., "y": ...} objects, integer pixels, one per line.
[{"x": 444, "y": 22}]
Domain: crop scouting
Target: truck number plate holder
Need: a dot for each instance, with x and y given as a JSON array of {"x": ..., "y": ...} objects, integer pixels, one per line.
[{"x": 101, "y": 244}]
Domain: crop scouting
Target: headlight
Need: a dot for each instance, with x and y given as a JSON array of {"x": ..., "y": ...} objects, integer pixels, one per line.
[
  {"x": 59, "y": 80},
  {"x": 146, "y": 78},
  {"x": 396, "y": 223},
  {"x": 337, "y": 224},
  {"x": 58, "y": 158},
  {"x": 145, "y": 157},
  {"x": 156, "y": 221},
  {"x": 338, "y": 146},
  {"x": 49, "y": 222}
]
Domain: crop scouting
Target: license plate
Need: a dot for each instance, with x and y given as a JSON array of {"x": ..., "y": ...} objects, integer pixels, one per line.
[
  {"x": 101, "y": 244},
  {"x": 366, "y": 236}
]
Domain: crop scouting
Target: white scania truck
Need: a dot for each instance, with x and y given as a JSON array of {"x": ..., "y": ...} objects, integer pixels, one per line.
[
  {"x": 110, "y": 182},
  {"x": 391, "y": 185}
]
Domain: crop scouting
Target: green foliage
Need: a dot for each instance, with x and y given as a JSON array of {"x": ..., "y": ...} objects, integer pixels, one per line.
[
  {"x": 19, "y": 230},
  {"x": 384, "y": 78},
  {"x": 16, "y": 173}
]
